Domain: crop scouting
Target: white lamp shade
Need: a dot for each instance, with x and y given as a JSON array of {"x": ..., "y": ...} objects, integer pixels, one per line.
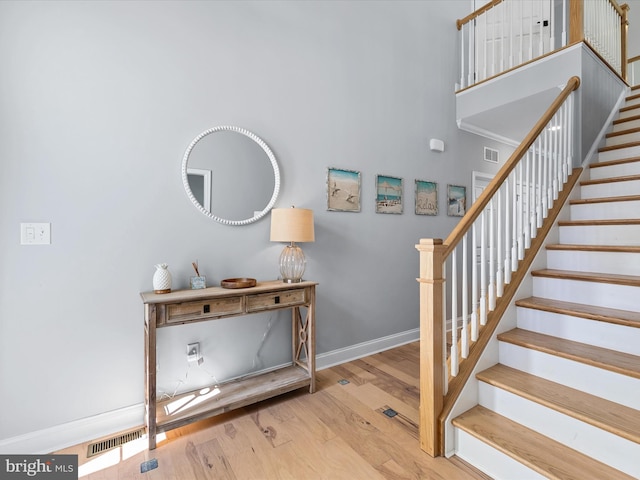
[{"x": 292, "y": 225}]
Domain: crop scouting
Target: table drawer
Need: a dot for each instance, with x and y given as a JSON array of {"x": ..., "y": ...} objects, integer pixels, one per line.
[
  {"x": 266, "y": 301},
  {"x": 203, "y": 310}
]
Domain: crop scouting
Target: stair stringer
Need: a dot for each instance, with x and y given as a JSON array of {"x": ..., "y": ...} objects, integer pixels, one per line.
[{"x": 470, "y": 393}]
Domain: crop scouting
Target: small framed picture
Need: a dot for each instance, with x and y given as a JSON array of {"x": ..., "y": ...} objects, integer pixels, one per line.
[
  {"x": 426, "y": 198},
  {"x": 388, "y": 194},
  {"x": 343, "y": 190},
  {"x": 456, "y": 200}
]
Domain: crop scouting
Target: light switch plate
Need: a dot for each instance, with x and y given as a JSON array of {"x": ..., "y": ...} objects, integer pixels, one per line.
[{"x": 35, "y": 234}]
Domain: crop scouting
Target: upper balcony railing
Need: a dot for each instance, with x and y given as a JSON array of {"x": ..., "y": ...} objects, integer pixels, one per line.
[
  {"x": 505, "y": 34},
  {"x": 633, "y": 71}
]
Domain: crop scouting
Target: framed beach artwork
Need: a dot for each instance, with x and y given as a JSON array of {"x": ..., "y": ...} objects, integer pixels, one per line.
[
  {"x": 343, "y": 190},
  {"x": 426, "y": 198},
  {"x": 456, "y": 200},
  {"x": 388, "y": 194}
]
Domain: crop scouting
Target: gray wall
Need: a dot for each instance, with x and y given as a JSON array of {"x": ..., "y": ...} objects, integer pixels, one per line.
[{"x": 99, "y": 100}]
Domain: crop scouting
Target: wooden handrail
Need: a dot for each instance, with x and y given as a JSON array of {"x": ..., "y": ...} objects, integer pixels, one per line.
[
  {"x": 483, "y": 200},
  {"x": 477, "y": 13},
  {"x": 634, "y": 59},
  {"x": 619, "y": 8}
]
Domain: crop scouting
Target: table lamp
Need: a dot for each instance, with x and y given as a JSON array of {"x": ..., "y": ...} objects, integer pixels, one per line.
[{"x": 292, "y": 225}]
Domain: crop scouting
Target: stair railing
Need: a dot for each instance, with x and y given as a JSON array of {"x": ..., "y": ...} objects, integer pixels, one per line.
[
  {"x": 468, "y": 280},
  {"x": 505, "y": 34}
]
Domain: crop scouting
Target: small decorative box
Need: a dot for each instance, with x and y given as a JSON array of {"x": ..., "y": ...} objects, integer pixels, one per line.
[{"x": 198, "y": 282}]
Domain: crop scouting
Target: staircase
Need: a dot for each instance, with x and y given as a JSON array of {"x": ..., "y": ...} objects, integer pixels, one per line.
[{"x": 564, "y": 400}]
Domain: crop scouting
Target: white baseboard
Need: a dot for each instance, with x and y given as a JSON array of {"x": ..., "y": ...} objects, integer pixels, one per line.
[
  {"x": 58, "y": 437},
  {"x": 353, "y": 352}
]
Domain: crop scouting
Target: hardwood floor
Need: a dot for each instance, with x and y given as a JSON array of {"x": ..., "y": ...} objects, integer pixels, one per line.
[{"x": 339, "y": 432}]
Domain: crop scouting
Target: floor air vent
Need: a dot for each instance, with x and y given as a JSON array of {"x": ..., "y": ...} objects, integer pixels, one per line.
[{"x": 113, "y": 442}]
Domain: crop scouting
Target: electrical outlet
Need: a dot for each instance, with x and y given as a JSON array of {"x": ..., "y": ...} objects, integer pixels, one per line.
[{"x": 193, "y": 352}]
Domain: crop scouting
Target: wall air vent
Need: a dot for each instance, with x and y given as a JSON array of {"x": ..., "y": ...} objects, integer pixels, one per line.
[
  {"x": 490, "y": 155},
  {"x": 113, "y": 442}
]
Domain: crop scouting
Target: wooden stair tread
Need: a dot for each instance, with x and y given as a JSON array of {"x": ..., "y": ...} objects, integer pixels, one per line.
[
  {"x": 578, "y": 223},
  {"x": 629, "y": 107},
  {"x": 601, "y": 314},
  {"x": 542, "y": 454},
  {"x": 625, "y": 198},
  {"x": 612, "y": 417},
  {"x": 598, "y": 181},
  {"x": 619, "y": 161},
  {"x": 628, "y": 119},
  {"x": 612, "y": 278},
  {"x": 611, "y": 360},
  {"x": 623, "y": 132},
  {"x": 632, "y": 97},
  {"x": 618, "y": 147},
  {"x": 595, "y": 248}
]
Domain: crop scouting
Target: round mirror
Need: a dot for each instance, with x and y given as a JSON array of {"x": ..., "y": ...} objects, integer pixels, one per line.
[{"x": 231, "y": 175}]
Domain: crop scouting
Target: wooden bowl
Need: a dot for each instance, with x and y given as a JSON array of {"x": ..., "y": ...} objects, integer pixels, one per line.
[{"x": 238, "y": 283}]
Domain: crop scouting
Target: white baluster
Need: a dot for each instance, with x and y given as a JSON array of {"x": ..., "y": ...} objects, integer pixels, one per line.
[
  {"x": 465, "y": 300},
  {"x": 507, "y": 233},
  {"x": 499, "y": 276},
  {"x": 454, "y": 313},
  {"x": 485, "y": 39},
  {"x": 514, "y": 236},
  {"x": 530, "y": 30},
  {"x": 541, "y": 29},
  {"x": 533, "y": 227},
  {"x": 462, "y": 84},
  {"x": 474, "y": 284},
  {"x": 471, "y": 35},
  {"x": 526, "y": 225},
  {"x": 493, "y": 40},
  {"x": 520, "y": 205},
  {"x": 483, "y": 269},
  {"x": 552, "y": 27},
  {"x": 565, "y": 23},
  {"x": 445, "y": 372},
  {"x": 540, "y": 186},
  {"x": 492, "y": 258}
]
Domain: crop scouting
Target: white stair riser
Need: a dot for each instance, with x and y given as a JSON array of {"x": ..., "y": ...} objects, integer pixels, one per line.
[
  {"x": 593, "y": 332},
  {"x": 620, "y": 453},
  {"x": 632, "y": 102},
  {"x": 491, "y": 461},
  {"x": 626, "y": 125},
  {"x": 620, "y": 170},
  {"x": 600, "y": 234},
  {"x": 595, "y": 381},
  {"x": 619, "y": 153},
  {"x": 599, "y": 294},
  {"x": 632, "y": 112},
  {"x": 611, "y": 189},
  {"x": 622, "y": 139},
  {"x": 602, "y": 262},
  {"x": 606, "y": 210}
]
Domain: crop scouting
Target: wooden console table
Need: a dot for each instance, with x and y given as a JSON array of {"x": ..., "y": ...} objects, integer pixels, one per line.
[{"x": 189, "y": 306}]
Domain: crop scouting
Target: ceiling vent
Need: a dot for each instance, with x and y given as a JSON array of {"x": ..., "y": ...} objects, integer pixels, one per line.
[{"x": 490, "y": 155}]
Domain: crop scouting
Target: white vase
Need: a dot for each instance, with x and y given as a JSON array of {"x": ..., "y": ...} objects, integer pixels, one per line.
[{"x": 162, "y": 279}]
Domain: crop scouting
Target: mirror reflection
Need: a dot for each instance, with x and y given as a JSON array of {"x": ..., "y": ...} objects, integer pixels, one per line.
[{"x": 231, "y": 175}]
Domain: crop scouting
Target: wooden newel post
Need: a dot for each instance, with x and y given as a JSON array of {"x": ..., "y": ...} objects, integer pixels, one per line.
[
  {"x": 431, "y": 343},
  {"x": 624, "y": 26}
]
